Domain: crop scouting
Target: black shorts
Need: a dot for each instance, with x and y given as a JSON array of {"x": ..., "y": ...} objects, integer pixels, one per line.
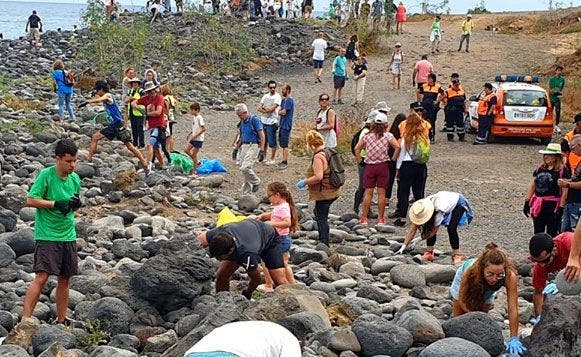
[
  {"x": 272, "y": 256},
  {"x": 56, "y": 258},
  {"x": 339, "y": 82},
  {"x": 318, "y": 63},
  {"x": 171, "y": 124},
  {"x": 112, "y": 131}
]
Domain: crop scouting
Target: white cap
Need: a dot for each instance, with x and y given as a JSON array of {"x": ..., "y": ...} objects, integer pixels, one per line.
[
  {"x": 380, "y": 118},
  {"x": 371, "y": 116}
]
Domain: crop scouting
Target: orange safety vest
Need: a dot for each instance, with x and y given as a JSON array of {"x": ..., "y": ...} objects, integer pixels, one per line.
[
  {"x": 452, "y": 93},
  {"x": 484, "y": 104},
  {"x": 435, "y": 89},
  {"x": 572, "y": 158}
]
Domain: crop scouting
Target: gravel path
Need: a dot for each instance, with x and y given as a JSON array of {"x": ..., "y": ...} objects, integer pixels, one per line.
[{"x": 494, "y": 177}]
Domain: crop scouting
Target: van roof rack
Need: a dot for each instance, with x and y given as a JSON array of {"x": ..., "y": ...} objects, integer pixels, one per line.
[{"x": 516, "y": 78}]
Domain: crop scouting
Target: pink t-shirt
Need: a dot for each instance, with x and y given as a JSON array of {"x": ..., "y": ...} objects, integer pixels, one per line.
[
  {"x": 280, "y": 213},
  {"x": 423, "y": 70}
]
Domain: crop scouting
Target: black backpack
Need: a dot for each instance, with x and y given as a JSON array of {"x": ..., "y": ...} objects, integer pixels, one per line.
[
  {"x": 355, "y": 140},
  {"x": 336, "y": 169}
]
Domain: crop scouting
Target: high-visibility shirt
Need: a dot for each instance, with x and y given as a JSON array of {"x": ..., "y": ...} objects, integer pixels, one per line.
[
  {"x": 455, "y": 99},
  {"x": 467, "y": 27},
  {"x": 430, "y": 93},
  {"x": 572, "y": 158},
  {"x": 485, "y": 103}
]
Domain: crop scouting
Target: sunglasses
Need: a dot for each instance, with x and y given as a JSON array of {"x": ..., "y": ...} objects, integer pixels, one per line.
[
  {"x": 272, "y": 87},
  {"x": 323, "y": 99},
  {"x": 546, "y": 261}
]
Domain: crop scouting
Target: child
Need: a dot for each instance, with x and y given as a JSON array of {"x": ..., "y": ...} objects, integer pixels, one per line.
[
  {"x": 284, "y": 219},
  {"x": 195, "y": 139},
  {"x": 136, "y": 115}
]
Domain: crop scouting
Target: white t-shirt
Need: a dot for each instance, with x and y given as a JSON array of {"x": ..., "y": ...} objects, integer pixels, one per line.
[
  {"x": 250, "y": 339},
  {"x": 319, "y": 46},
  {"x": 197, "y": 124},
  {"x": 444, "y": 203},
  {"x": 329, "y": 135},
  {"x": 267, "y": 101}
]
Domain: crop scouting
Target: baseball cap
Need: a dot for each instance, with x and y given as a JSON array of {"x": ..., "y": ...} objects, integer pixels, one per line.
[{"x": 380, "y": 118}]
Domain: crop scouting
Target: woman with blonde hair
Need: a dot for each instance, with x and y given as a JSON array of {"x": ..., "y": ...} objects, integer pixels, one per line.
[
  {"x": 478, "y": 280},
  {"x": 319, "y": 185},
  {"x": 545, "y": 199},
  {"x": 63, "y": 88}
]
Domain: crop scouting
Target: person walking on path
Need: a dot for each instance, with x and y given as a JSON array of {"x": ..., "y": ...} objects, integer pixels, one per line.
[
  {"x": 556, "y": 85},
  {"x": 545, "y": 200},
  {"x": 286, "y": 112},
  {"x": 339, "y": 75},
  {"x": 245, "y": 244},
  {"x": 436, "y": 34},
  {"x": 395, "y": 66},
  {"x": 352, "y": 51},
  {"x": 448, "y": 209},
  {"x": 251, "y": 146},
  {"x": 64, "y": 89},
  {"x": 318, "y": 47},
  {"x": 455, "y": 99},
  {"x": 34, "y": 24},
  {"x": 376, "y": 175},
  {"x": 476, "y": 283},
  {"x": 268, "y": 107},
  {"x": 467, "y": 28},
  {"x": 116, "y": 129},
  {"x": 55, "y": 195},
  {"x": 485, "y": 111},
  {"x": 360, "y": 77},
  {"x": 319, "y": 185},
  {"x": 400, "y": 18},
  {"x": 325, "y": 122},
  {"x": 136, "y": 115},
  {"x": 195, "y": 139},
  {"x": 431, "y": 94},
  {"x": 422, "y": 69}
]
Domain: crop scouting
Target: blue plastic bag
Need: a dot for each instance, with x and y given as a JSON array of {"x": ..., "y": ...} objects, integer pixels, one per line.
[{"x": 210, "y": 166}]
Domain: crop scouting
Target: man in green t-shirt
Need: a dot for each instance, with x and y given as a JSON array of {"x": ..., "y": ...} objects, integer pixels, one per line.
[
  {"x": 556, "y": 84},
  {"x": 55, "y": 195}
]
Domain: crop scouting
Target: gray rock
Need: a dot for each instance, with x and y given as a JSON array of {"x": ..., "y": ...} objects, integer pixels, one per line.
[
  {"x": 160, "y": 343},
  {"x": 13, "y": 198},
  {"x": 33, "y": 149},
  {"x": 21, "y": 241},
  {"x": 453, "y": 347},
  {"x": 344, "y": 340},
  {"x": 361, "y": 306},
  {"x": 337, "y": 235},
  {"x": 378, "y": 336},
  {"x": 113, "y": 314},
  {"x": 479, "y": 328},
  {"x": 323, "y": 286},
  {"x": 248, "y": 203},
  {"x": 108, "y": 351},
  {"x": 125, "y": 342},
  {"x": 383, "y": 265},
  {"x": 438, "y": 273},
  {"x": 423, "y": 326},
  {"x": 303, "y": 324},
  {"x": 12, "y": 351},
  {"x": 122, "y": 248},
  {"x": 353, "y": 269},
  {"x": 46, "y": 335},
  {"x": 376, "y": 294},
  {"x": 301, "y": 255},
  {"x": 7, "y": 255},
  {"x": 407, "y": 276},
  {"x": 385, "y": 228},
  {"x": 187, "y": 324},
  {"x": 8, "y": 219},
  {"x": 27, "y": 214},
  {"x": 6, "y": 320},
  {"x": 565, "y": 287},
  {"x": 344, "y": 283}
]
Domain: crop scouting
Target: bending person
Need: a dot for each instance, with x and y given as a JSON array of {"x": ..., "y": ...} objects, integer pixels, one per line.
[
  {"x": 448, "y": 209},
  {"x": 476, "y": 283}
]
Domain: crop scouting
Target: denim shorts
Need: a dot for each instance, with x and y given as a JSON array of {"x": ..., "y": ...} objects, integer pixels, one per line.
[
  {"x": 270, "y": 132},
  {"x": 285, "y": 243},
  {"x": 196, "y": 143},
  {"x": 157, "y": 137},
  {"x": 283, "y": 138},
  {"x": 571, "y": 215}
]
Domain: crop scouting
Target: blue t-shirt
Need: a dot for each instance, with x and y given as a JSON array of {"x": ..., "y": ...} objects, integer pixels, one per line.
[
  {"x": 340, "y": 64},
  {"x": 286, "y": 121},
  {"x": 489, "y": 295},
  {"x": 113, "y": 111},
  {"x": 249, "y": 129},
  {"x": 58, "y": 75}
]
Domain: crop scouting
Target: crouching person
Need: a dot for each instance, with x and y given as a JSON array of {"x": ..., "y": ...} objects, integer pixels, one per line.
[{"x": 245, "y": 244}]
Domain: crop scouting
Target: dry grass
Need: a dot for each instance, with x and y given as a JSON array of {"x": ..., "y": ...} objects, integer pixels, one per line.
[
  {"x": 85, "y": 82},
  {"x": 22, "y": 104},
  {"x": 552, "y": 22},
  {"x": 571, "y": 104},
  {"x": 258, "y": 63}
]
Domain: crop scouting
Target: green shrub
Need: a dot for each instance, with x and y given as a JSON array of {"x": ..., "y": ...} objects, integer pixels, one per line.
[{"x": 92, "y": 336}]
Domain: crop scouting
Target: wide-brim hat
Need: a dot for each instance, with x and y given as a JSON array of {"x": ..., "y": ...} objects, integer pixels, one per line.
[
  {"x": 551, "y": 149},
  {"x": 134, "y": 80},
  {"x": 421, "y": 211},
  {"x": 149, "y": 86},
  {"x": 382, "y": 107}
]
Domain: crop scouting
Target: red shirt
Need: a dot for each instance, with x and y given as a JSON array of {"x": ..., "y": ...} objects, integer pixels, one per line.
[
  {"x": 157, "y": 100},
  {"x": 563, "y": 243}
]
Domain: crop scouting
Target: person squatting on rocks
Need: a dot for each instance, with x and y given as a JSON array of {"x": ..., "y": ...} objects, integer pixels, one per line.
[
  {"x": 467, "y": 28},
  {"x": 136, "y": 115},
  {"x": 549, "y": 255},
  {"x": 195, "y": 139},
  {"x": 55, "y": 195},
  {"x": 448, "y": 209},
  {"x": 545, "y": 200},
  {"x": 245, "y": 244},
  {"x": 319, "y": 185},
  {"x": 284, "y": 219},
  {"x": 431, "y": 94},
  {"x": 485, "y": 111},
  {"x": 376, "y": 173},
  {"x": 455, "y": 99},
  {"x": 247, "y": 338},
  {"x": 339, "y": 71},
  {"x": 318, "y": 47},
  {"x": 268, "y": 108},
  {"x": 326, "y": 121},
  {"x": 572, "y": 209},
  {"x": 64, "y": 89},
  {"x": 286, "y": 113},
  {"x": 475, "y": 286},
  {"x": 251, "y": 146},
  {"x": 34, "y": 23},
  {"x": 116, "y": 129}
]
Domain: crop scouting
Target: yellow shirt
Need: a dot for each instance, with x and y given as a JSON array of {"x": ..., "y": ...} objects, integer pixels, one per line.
[{"x": 467, "y": 27}]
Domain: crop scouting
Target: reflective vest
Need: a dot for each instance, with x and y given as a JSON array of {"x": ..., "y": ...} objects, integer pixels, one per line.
[
  {"x": 484, "y": 104},
  {"x": 430, "y": 94},
  {"x": 572, "y": 158},
  {"x": 455, "y": 99}
]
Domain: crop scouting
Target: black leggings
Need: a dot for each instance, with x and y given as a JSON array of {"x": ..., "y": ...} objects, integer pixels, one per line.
[
  {"x": 360, "y": 190},
  {"x": 547, "y": 221},
  {"x": 392, "y": 172},
  {"x": 137, "y": 131},
  {"x": 322, "y": 217},
  {"x": 411, "y": 175},
  {"x": 457, "y": 214},
  {"x": 162, "y": 139}
]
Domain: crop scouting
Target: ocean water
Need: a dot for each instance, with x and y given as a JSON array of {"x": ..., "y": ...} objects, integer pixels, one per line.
[{"x": 14, "y": 15}]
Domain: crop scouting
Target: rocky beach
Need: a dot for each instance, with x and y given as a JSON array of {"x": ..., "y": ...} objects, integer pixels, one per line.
[{"x": 146, "y": 286}]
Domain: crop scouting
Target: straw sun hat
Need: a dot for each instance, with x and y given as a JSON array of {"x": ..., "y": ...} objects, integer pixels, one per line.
[{"x": 421, "y": 211}]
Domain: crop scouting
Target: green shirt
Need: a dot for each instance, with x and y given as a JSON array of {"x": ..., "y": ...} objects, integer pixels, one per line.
[
  {"x": 49, "y": 223},
  {"x": 556, "y": 83},
  {"x": 436, "y": 25}
]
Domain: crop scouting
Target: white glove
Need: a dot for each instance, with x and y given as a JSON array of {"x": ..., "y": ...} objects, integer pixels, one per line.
[
  {"x": 414, "y": 241},
  {"x": 403, "y": 247}
]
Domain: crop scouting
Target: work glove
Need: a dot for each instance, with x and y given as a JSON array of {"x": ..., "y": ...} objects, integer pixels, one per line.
[
  {"x": 536, "y": 320},
  {"x": 234, "y": 154},
  {"x": 401, "y": 250},
  {"x": 247, "y": 294},
  {"x": 414, "y": 241},
  {"x": 261, "y": 155},
  {"x": 550, "y": 289},
  {"x": 301, "y": 184},
  {"x": 83, "y": 104},
  {"x": 515, "y": 346},
  {"x": 63, "y": 206},
  {"x": 526, "y": 209},
  {"x": 75, "y": 202}
]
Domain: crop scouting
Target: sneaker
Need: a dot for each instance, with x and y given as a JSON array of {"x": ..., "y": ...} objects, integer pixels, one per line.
[
  {"x": 269, "y": 162},
  {"x": 428, "y": 255},
  {"x": 339, "y": 101},
  {"x": 319, "y": 80},
  {"x": 264, "y": 289},
  {"x": 399, "y": 222},
  {"x": 22, "y": 333},
  {"x": 394, "y": 214},
  {"x": 478, "y": 143},
  {"x": 557, "y": 129},
  {"x": 282, "y": 166},
  {"x": 467, "y": 51},
  {"x": 459, "y": 49},
  {"x": 149, "y": 168},
  {"x": 70, "y": 323},
  {"x": 363, "y": 220},
  {"x": 381, "y": 221},
  {"x": 457, "y": 259}
]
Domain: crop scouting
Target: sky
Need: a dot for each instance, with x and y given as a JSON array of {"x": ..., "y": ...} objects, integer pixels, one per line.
[{"x": 456, "y": 6}]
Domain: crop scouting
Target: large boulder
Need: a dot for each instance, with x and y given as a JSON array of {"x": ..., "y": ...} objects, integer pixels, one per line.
[
  {"x": 8, "y": 219},
  {"x": 565, "y": 287},
  {"x": 407, "y": 276},
  {"x": 423, "y": 326},
  {"x": 559, "y": 331},
  {"x": 46, "y": 335},
  {"x": 453, "y": 347},
  {"x": 21, "y": 241},
  {"x": 7, "y": 255},
  {"x": 479, "y": 328},
  {"x": 303, "y": 324},
  {"x": 438, "y": 273},
  {"x": 378, "y": 336},
  {"x": 172, "y": 280},
  {"x": 113, "y": 314},
  {"x": 13, "y": 198},
  {"x": 12, "y": 351}
]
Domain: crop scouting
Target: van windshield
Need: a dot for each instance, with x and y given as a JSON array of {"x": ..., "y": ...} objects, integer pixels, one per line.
[{"x": 525, "y": 98}]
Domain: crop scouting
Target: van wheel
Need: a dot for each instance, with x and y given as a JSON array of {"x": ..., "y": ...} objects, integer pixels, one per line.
[{"x": 545, "y": 141}]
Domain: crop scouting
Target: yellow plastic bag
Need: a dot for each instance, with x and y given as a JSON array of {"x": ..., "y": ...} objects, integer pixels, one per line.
[{"x": 226, "y": 216}]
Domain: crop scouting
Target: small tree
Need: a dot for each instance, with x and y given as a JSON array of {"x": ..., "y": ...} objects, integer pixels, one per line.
[{"x": 94, "y": 15}]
